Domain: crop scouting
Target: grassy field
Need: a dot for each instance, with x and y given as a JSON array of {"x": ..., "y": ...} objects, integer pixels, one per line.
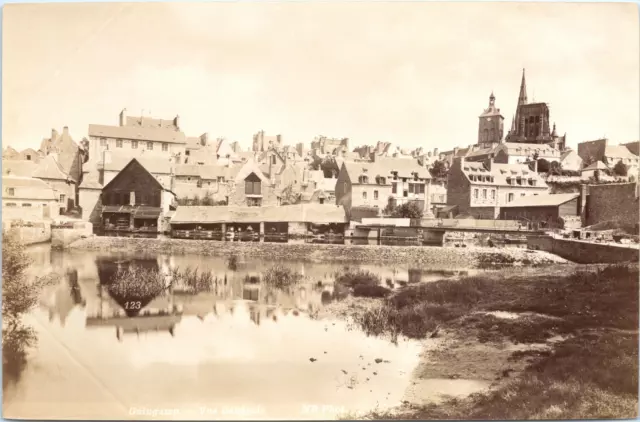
[{"x": 591, "y": 371}]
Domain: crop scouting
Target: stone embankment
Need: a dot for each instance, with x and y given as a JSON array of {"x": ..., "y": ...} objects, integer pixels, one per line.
[{"x": 437, "y": 257}]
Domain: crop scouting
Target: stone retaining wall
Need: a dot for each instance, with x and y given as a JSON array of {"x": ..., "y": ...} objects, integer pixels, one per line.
[
  {"x": 433, "y": 257},
  {"x": 30, "y": 233},
  {"x": 583, "y": 252},
  {"x": 63, "y": 234}
]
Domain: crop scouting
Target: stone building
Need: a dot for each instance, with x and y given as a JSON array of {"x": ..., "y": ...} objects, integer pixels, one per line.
[
  {"x": 138, "y": 135},
  {"x": 600, "y": 151},
  {"x": 531, "y": 123},
  {"x": 28, "y": 199},
  {"x": 480, "y": 189},
  {"x": 325, "y": 145},
  {"x": 383, "y": 182}
]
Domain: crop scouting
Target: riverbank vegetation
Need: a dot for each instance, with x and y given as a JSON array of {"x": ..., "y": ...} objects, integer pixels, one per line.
[
  {"x": 591, "y": 371},
  {"x": 19, "y": 295},
  {"x": 361, "y": 283}
]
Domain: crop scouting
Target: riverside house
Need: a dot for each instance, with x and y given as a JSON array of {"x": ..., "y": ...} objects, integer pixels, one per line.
[
  {"x": 135, "y": 200},
  {"x": 480, "y": 189}
]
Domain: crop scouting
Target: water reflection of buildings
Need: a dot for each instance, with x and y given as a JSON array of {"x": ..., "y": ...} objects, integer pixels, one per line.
[{"x": 61, "y": 299}]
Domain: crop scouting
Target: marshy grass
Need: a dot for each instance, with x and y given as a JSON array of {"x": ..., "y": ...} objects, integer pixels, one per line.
[
  {"x": 362, "y": 283},
  {"x": 587, "y": 299},
  {"x": 591, "y": 373},
  {"x": 232, "y": 262}
]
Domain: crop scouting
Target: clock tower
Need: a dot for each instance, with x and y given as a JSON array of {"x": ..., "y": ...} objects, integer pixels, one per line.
[{"x": 491, "y": 125}]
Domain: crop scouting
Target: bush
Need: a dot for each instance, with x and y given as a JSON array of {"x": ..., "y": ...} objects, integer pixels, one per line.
[
  {"x": 408, "y": 210},
  {"x": 19, "y": 296}
]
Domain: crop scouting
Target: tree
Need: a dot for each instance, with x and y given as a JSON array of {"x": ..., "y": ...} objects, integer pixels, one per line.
[
  {"x": 620, "y": 169},
  {"x": 408, "y": 210},
  {"x": 439, "y": 170},
  {"x": 19, "y": 296},
  {"x": 555, "y": 168},
  {"x": 289, "y": 197},
  {"x": 543, "y": 166}
]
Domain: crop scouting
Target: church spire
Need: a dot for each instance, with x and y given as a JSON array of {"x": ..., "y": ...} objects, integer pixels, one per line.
[{"x": 522, "y": 99}]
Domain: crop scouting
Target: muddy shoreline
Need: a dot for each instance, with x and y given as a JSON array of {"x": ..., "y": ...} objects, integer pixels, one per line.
[{"x": 438, "y": 257}]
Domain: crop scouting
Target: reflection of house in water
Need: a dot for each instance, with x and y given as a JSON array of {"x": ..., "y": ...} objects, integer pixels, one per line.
[{"x": 159, "y": 315}]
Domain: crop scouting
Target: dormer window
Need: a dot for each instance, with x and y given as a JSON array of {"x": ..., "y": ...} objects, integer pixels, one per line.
[
  {"x": 509, "y": 180},
  {"x": 395, "y": 175},
  {"x": 363, "y": 179},
  {"x": 519, "y": 180}
]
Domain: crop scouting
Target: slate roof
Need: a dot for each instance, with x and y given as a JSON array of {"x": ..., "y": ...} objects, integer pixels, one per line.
[
  {"x": 383, "y": 167},
  {"x": 138, "y": 133},
  {"x": 547, "y": 200},
  {"x": 24, "y": 168},
  {"x": 26, "y": 188},
  {"x": 598, "y": 165},
  {"x": 49, "y": 168},
  {"x": 618, "y": 151},
  {"x": 312, "y": 213},
  {"x": 501, "y": 172}
]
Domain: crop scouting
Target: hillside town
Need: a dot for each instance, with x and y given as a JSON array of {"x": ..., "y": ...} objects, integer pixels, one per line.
[{"x": 144, "y": 174}]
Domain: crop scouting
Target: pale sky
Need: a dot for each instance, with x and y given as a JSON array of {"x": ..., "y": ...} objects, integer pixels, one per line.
[{"x": 414, "y": 74}]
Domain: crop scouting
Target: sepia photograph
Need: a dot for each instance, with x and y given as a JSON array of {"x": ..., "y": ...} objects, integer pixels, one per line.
[{"x": 318, "y": 210}]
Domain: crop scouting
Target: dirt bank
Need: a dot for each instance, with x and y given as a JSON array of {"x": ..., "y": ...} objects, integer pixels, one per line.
[{"x": 437, "y": 257}]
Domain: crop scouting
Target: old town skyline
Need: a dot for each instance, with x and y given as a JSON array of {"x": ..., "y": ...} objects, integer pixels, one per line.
[{"x": 366, "y": 88}]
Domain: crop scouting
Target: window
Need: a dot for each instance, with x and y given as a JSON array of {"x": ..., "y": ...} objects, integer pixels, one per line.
[
  {"x": 493, "y": 194},
  {"x": 165, "y": 147},
  {"x": 199, "y": 183},
  {"x": 118, "y": 143},
  {"x": 220, "y": 179},
  {"x": 510, "y": 197},
  {"x": 484, "y": 194},
  {"x": 375, "y": 194},
  {"x": 405, "y": 193},
  {"x": 363, "y": 179},
  {"x": 254, "y": 202},
  {"x": 149, "y": 145},
  {"x": 11, "y": 191},
  {"x": 522, "y": 194},
  {"x": 26, "y": 204},
  {"x": 61, "y": 199},
  {"x": 345, "y": 186},
  {"x": 103, "y": 142},
  {"x": 411, "y": 187},
  {"x": 364, "y": 195},
  {"x": 252, "y": 185},
  {"x": 187, "y": 152},
  {"x": 394, "y": 188},
  {"x": 475, "y": 193},
  {"x": 134, "y": 144},
  {"x": 10, "y": 204},
  {"x": 273, "y": 159},
  {"x": 29, "y": 157}
]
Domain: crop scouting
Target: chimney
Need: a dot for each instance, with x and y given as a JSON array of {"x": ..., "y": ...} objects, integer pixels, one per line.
[
  {"x": 455, "y": 151},
  {"x": 106, "y": 156},
  {"x": 176, "y": 122},
  {"x": 535, "y": 166},
  {"x": 65, "y": 131},
  {"x": 582, "y": 203},
  {"x": 435, "y": 152},
  {"x": 489, "y": 163},
  {"x": 54, "y": 135},
  {"x": 123, "y": 116}
]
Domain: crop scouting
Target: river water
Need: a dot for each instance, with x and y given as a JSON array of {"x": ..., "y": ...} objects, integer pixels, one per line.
[{"x": 243, "y": 351}]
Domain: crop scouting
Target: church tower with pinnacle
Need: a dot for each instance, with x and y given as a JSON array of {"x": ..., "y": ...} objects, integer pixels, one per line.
[{"x": 490, "y": 125}]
